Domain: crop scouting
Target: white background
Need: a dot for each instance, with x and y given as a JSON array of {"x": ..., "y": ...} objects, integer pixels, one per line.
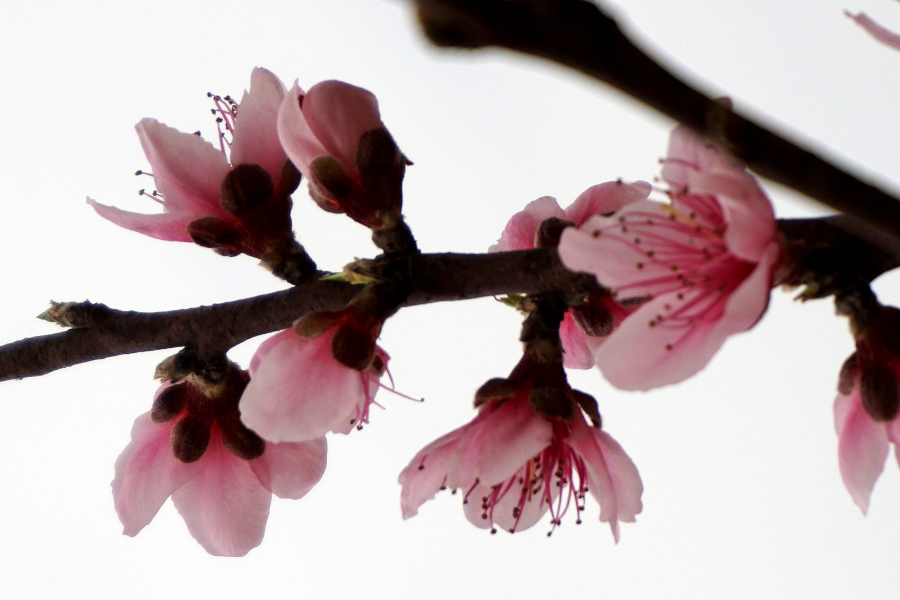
[{"x": 743, "y": 497}]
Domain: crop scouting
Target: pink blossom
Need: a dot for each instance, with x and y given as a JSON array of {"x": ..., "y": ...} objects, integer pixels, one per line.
[
  {"x": 863, "y": 445},
  {"x": 579, "y": 322},
  {"x": 513, "y": 465},
  {"x": 189, "y": 173},
  {"x": 223, "y": 497},
  {"x": 335, "y": 137},
  {"x": 299, "y": 391},
  {"x": 883, "y": 35},
  {"x": 702, "y": 266},
  {"x": 867, "y": 409}
]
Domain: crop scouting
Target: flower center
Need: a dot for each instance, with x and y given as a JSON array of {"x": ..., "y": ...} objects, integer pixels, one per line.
[{"x": 556, "y": 477}]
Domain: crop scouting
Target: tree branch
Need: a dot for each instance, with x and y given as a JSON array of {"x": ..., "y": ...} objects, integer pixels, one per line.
[
  {"x": 102, "y": 332},
  {"x": 578, "y": 34}
]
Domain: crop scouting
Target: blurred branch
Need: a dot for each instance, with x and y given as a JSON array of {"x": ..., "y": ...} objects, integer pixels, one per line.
[
  {"x": 578, "y": 34},
  {"x": 101, "y": 332}
]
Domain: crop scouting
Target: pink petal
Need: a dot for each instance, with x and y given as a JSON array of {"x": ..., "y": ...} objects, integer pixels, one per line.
[
  {"x": 605, "y": 198},
  {"x": 748, "y": 211},
  {"x": 298, "y": 391},
  {"x": 164, "y": 226},
  {"x": 426, "y": 473},
  {"x": 338, "y": 115},
  {"x": 862, "y": 448},
  {"x": 188, "y": 170},
  {"x": 225, "y": 507},
  {"x": 689, "y": 154},
  {"x": 613, "y": 480},
  {"x": 612, "y": 258},
  {"x": 508, "y": 436},
  {"x": 885, "y": 36},
  {"x": 290, "y": 470},
  {"x": 147, "y": 473},
  {"x": 637, "y": 356},
  {"x": 256, "y": 129},
  {"x": 519, "y": 231},
  {"x": 532, "y": 510},
  {"x": 576, "y": 355},
  {"x": 297, "y": 139}
]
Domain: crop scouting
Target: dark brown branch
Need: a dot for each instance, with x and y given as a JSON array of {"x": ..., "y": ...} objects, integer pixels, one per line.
[
  {"x": 105, "y": 332},
  {"x": 576, "y": 33},
  {"x": 832, "y": 248}
]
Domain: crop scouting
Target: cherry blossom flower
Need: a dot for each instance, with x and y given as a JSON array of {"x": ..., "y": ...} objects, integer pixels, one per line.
[
  {"x": 513, "y": 465},
  {"x": 863, "y": 445},
  {"x": 299, "y": 391},
  {"x": 702, "y": 266},
  {"x": 204, "y": 198},
  {"x": 882, "y": 34},
  {"x": 585, "y": 326},
  {"x": 868, "y": 402},
  {"x": 335, "y": 137},
  {"x": 220, "y": 475}
]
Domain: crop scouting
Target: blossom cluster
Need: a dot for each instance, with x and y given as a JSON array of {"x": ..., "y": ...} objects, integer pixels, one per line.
[{"x": 680, "y": 266}]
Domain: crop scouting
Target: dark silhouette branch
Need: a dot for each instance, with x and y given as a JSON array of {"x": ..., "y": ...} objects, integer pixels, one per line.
[
  {"x": 102, "y": 332},
  {"x": 578, "y": 34}
]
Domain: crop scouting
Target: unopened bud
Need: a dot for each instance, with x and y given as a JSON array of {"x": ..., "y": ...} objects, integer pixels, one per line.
[
  {"x": 169, "y": 403},
  {"x": 879, "y": 392},
  {"x": 190, "y": 438},
  {"x": 245, "y": 189}
]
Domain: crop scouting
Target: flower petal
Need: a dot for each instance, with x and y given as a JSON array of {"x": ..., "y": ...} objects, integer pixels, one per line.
[
  {"x": 606, "y": 198},
  {"x": 883, "y": 35},
  {"x": 426, "y": 473},
  {"x": 147, "y": 473},
  {"x": 601, "y": 247},
  {"x": 576, "y": 353},
  {"x": 290, "y": 470},
  {"x": 256, "y": 128},
  {"x": 225, "y": 507},
  {"x": 613, "y": 480},
  {"x": 862, "y": 448},
  {"x": 164, "y": 226},
  {"x": 508, "y": 436},
  {"x": 298, "y": 391},
  {"x": 188, "y": 170},
  {"x": 748, "y": 211},
  {"x": 297, "y": 139},
  {"x": 521, "y": 228},
  {"x": 638, "y": 356},
  {"x": 338, "y": 115}
]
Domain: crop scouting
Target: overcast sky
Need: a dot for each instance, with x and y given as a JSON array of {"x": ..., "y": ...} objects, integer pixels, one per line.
[{"x": 743, "y": 498}]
